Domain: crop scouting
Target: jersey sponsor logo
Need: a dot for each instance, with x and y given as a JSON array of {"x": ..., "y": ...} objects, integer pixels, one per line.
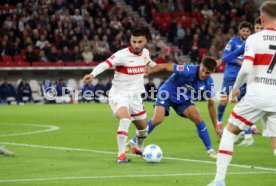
[
  {"x": 180, "y": 67},
  {"x": 228, "y": 47},
  {"x": 131, "y": 70}
]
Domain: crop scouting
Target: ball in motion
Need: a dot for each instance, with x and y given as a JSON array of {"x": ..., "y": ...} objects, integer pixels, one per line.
[{"x": 152, "y": 153}]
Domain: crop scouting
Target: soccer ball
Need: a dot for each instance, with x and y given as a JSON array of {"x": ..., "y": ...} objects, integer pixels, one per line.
[{"x": 152, "y": 153}]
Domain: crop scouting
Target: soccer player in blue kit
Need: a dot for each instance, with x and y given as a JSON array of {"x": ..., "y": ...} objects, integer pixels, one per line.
[
  {"x": 188, "y": 82},
  {"x": 232, "y": 68},
  {"x": 247, "y": 136}
]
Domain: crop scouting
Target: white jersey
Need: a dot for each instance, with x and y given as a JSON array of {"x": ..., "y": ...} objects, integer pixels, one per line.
[
  {"x": 129, "y": 69},
  {"x": 260, "y": 50}
]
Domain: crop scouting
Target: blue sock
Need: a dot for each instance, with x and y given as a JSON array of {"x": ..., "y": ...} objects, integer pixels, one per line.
[
  {"x": 221, "y": 110},
  {"x": 151, "y": 127},
  {"x": 249, "y": 131},
  {"x": 204, "y": 135}
]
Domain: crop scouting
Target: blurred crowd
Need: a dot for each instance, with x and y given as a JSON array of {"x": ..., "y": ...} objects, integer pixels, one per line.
[{"x": 91, "y": 30}]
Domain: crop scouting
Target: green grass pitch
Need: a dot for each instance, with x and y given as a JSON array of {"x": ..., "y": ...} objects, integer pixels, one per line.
[{"x": 76, "y": 145}]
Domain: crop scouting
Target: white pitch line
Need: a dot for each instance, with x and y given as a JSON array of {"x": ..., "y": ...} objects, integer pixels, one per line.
[
  {"x": 50, "y": 128},
  {"x": 126, "y": 176},
  {"x": 168, "y": 158}
]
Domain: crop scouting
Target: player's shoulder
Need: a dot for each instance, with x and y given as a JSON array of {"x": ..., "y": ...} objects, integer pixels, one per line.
[
  {"x": 210, "y": 81},
  {"x": 145, "y": 51},
  {"x": 255, "y": 36}
]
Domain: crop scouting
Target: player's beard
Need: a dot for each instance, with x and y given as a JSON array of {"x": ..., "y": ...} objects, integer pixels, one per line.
[
  {"x": 244, "y": 37},
  {"x": 135, "y": 51}
]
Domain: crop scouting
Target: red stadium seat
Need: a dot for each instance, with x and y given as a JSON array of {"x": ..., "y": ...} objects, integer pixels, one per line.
[
  {"x": 71, "y": 63},
  {"x": 38, "y": 64},
  {"x": 18, "y": 58},
  {"x": 7, "y": 58},
  {"x": 202, "y": 52}
]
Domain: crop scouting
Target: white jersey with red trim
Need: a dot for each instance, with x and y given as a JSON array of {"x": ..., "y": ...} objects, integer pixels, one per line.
[
  {"x": 260, "y": 50},
  {"x": 129, "y": 69}
]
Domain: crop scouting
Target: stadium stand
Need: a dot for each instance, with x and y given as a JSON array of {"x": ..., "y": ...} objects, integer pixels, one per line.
[{"x": 77, "y": 35}]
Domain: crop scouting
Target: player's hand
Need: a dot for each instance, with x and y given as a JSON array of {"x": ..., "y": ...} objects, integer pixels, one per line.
[
  {"x": 88, "y": 78},
  {"x": 234, "y": 95},
  {"x": 219, "y": 61},
  {"x": 219, "y": 132},
  {"x": 147, "y": 71},
  {"x": 239, "y": 62}
]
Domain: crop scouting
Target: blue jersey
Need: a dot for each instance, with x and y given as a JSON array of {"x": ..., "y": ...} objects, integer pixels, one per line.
[
  {"x": 232, "y": 67},
  {"x": 184, "y": 85},
  {"x": 233, "y": 55}
]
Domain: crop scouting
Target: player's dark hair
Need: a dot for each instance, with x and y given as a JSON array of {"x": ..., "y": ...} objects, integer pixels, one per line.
[
  {"x": 269, "y": 8},
  {"x": 209, "y": 63},
  {"x": 246, "y": 25},
  {"x": 138, "y": 32},
  {"x": 258, "y": 21}
]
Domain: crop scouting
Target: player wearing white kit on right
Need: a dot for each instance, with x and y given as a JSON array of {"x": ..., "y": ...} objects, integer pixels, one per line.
[
  {"x": 259, "y": 70},
  {"x": 128, "y": 84}
]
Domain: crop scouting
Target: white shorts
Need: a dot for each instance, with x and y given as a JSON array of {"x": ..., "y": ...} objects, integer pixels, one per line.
[
  {"x": 244, "y": 115},
  {"x": 133, "y": 102}
]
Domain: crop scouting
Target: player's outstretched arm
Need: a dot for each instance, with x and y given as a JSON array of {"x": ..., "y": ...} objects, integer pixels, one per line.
[
  {"x": 160, "y": 67},
  {"x": 213, "y": 115},
  {"x": 97, "y": 70},
  {"x": 88, "y": 78}
]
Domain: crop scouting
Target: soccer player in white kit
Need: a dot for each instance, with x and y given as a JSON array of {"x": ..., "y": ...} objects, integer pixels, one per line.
[
  {"x": 259, "y": 70},
  {"x": 127, "y": 86}
]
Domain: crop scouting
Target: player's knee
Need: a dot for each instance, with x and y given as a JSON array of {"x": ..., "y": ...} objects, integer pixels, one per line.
[
  {"x": 197, "y": 120},
  {"x": 157, "y": 121}
]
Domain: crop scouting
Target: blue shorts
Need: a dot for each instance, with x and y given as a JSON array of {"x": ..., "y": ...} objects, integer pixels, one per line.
[
  {"x": 227, "y": 86},
  {"x": 178, "y": 108}
]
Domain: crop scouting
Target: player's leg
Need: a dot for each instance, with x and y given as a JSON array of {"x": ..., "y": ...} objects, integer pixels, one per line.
[
  {"x": 141, "y": 134},
  {"x": 158, "y": 117},
  {"x": 120, "y": 107},
  {"x": 223, "y": 101},
  {"x": 190, "y": 111},
  {"x": 248, "y": 138},
  {"x": 5, "y": 151},
  {"x": 161, "y": 109},
  {"x": 123, "y": 115},
  {"x": 269, "y": 129},
  {"x": 221, "y": 109},
  {"x": 242, "y": 117},
  {"x": 225, "y": 153},
  {"x": 273, "y": 142}
]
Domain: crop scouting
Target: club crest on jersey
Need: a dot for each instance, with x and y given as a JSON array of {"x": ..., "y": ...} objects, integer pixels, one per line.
[
  {"x": 228, "y": 47},
  {"x": 180, "y": 67}
]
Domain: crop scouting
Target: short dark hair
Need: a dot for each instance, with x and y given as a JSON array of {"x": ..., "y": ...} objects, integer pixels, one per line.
[
  {"x": 258, "y": 21},
  {"x": 138, "y": 32},
  {"x": 209, "y": 63},
  {"x": 246, "y": 25}
]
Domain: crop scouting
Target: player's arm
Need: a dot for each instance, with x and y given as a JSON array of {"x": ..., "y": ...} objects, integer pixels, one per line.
[
  {"x": 227, "y": 51},
  {"x": 233, "y": 55},
  {"x": 97, "y": 70},
  {"x": 213, "y": 115},
  {"x": 169, "y": 67},
  {"x": 245, "y": 70}
]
